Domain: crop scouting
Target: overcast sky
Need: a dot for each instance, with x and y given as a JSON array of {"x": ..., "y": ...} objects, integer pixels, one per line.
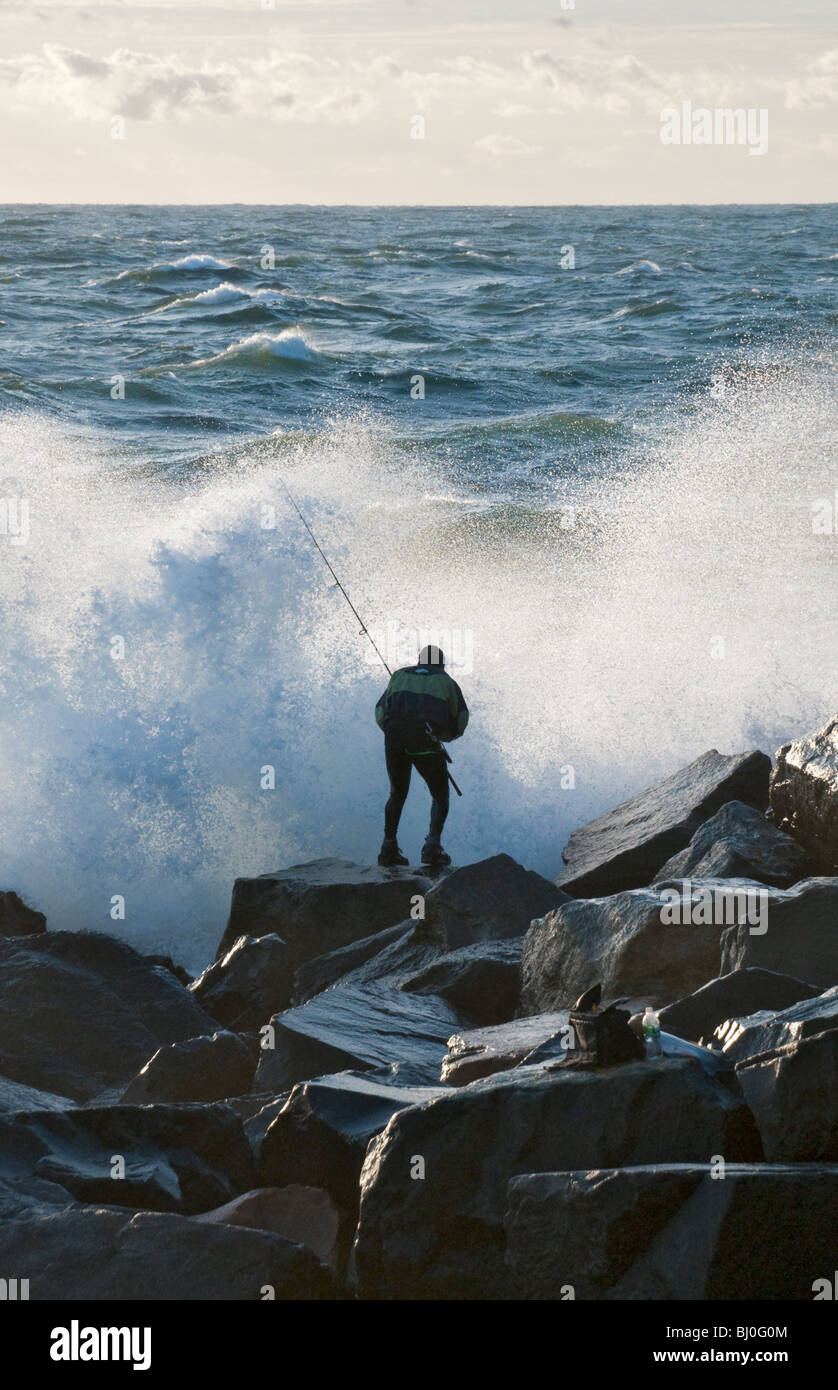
[{"x": 523, "y": 101}]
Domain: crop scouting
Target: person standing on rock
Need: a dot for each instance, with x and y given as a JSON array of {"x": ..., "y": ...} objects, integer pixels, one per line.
[{"x": 421, "y": 708}]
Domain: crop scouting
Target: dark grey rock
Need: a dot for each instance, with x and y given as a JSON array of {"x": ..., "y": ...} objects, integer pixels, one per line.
[
  {"x": 768, "y": 1029},
  {"x": 177, "y": 1158},
  {"x": 479, "y": 1052},
  {"x": 16, "y": 919},
  {"x": 250, "y": 983},
  {"x": 804, "y": 794},
  {"x": 441, "y": 1236},
  {"x": 741, "y": 992},
  {"x": 671, "y": 1231},
  {"x": 316, "y": 975},
  {"x": 486, "y": 901},
  {"x": 802, "y": 935},
  {"x": 200, "y": 1069},
  {"x": 82, "y": 1253},
  {"x": 482, "y": 982},
  {"x": 15, "y": 1096},
  {"x": 352, "y": 1027},
  {"x": 626, "y": 847},
  {"x": 738, "y": 842},
  {"x": 81, "y": 1011},
  {"x": 792, "y": 1093},
  {"x": 320, "y": 906}
]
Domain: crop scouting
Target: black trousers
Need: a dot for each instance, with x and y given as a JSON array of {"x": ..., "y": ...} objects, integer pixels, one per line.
[{"x": 430, "y": 766}]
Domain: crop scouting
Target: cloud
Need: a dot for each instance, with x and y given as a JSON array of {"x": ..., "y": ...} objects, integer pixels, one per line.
[
  {"x": 817, "y": 88},
  {"x": 499, "y": 145}
]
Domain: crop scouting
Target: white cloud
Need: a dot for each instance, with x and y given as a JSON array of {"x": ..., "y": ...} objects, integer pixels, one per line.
[{"x": 499, "y": 145}]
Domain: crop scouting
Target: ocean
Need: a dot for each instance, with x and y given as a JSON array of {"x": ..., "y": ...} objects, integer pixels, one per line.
[{"x": 591, "y": 450}]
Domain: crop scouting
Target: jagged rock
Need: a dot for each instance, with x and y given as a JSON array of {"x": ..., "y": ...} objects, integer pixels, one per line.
[
  {"x": 671, "y": 1231},
  {"x": 304, "y": 1215},
  {"x": 15, "y": 1096},
  {"x": 321, "y": 1134},
  {"x": 802, "y": 935},
  {"x": 200, "y": 1069},
  {"x": 484, "y": 1051},
  {"x": 768, "y": 1029},
  {"x": 397, "y": 961},
  {"x": 486, "y": 901},
  {"x": 628, "y": 943},
  {"x": 626, "y": 847},
  {"x": 355, "y": 1026},
  {"x": 320, "y": 906},
  {"x": 740, "y": 992},
  {"x": 81, "y": 1253},
  {"x": 804, "y": 794},
  {"x": 738, "y": 842},
  {"x": 248, "y": 984},
  {"x": 482, "y": 982},
  {"x": 83, "y": 1011},
  {"x": 176, "y": 1158},
  {"x": 316, "y": 975},
  {"x": 792, "y": 1093},
  {"x": 168, "y": 964},
  {"x": 16, "y": 919},
  {"x": 442, "y": 1237}
]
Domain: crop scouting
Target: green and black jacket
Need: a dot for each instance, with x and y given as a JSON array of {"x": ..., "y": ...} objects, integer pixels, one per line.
[{"x": 420, "y": 695}]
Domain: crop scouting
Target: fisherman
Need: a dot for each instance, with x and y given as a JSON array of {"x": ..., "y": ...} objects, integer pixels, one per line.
[{"x": 421, "y": 709}]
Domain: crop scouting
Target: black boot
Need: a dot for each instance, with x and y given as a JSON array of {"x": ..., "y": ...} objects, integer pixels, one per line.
[
  {"x": 390, "y": 854},
  {"x": 433, "y": 853}
]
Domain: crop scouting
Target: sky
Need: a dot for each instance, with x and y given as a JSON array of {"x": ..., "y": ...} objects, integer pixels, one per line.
[{"x": 413, "y": 101}]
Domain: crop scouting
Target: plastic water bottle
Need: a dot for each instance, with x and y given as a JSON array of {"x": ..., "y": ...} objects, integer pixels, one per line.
[{"x": 651, "y": 1033}]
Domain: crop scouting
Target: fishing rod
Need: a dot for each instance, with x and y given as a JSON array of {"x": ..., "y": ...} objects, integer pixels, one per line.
[{"x": 364, "y": 629}]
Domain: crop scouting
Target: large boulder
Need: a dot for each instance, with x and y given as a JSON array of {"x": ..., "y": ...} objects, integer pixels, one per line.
[
  {"x": 479, "y": 1052},
  {"x": 304, "y": 1215},
  {"x": 174, "y": 1158},
  {"x": 486, "y": 901},
  {"x": 320, "y": 906},
  {"x": 626, "y": 847},
  {"x": 801, "y": 939},
  {"x": 248, "y": 984},
  {"x": 15, "y": 1096},
  {"x": 672, "y": 1231},
  {"x": 793, "y": 1096},
  {"x": 79, "y": 1253},
  {"x": 658, "y": 943},
  {"x": 200, "y": 1069},
  {"x": 16, "y": 919},
  {"x": 353, "y": 1027},
  {"x": 81, "y": 1011},
  {"x": 433, "y": 1185},
  {"x": 768, "y": 1029},
  {"x": 741, "y": 992},
  {"x": 738, "y": 842},
  {"x": 804, "y": 794},
  {"x": 313, "y": 976},
  {"x": 482, "y": 982}
]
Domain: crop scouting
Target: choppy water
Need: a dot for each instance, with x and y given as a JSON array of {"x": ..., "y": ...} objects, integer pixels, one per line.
[{"x": 604, "y": 502}]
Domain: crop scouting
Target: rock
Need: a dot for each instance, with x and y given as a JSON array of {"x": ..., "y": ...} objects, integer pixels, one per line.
[
  {"x": 802, "y": 935},
  {"x": 484, "y": 1051},
  {"x": 768, "y": 1029},
  {"x": 804, "y": 794},
  {"x": 16, "y": 919},
  {"x": 398, "y": 960},
  {"x": 176, "y": 1158},
  {"x": 168, "y": 964},
  {"x": 486, "y": 901},
  {"x": 738, "y": 842},
  {"x": 740, "y": 992},
  {"x": 671, "y": 1231},
  {"x": 316, "y": 975},
  {"x": 304, "y": 1215},
  {"x": 625, "y": 943},
  {"x": 15, "y": 1096},
  {"x": 792, "y": 1093},
  {"x": 247, "y": 985},
  {"x": 320, "y": 906},
  {"x": 83, "y": 1011},
  {"x": 482, "y": 982},
  {"x": 442, "y": 1237},
  {"x": 200, "y": 1069},
  {"x": 626, "y": 847},
  {"x": 81, "y": 1253},
  {"x": 322, "y": 1133},
  {"x": 353, "y": 1027}
]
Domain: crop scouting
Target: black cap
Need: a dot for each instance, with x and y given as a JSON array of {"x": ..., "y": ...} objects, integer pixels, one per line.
[{"x": 431, "y": 656}]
